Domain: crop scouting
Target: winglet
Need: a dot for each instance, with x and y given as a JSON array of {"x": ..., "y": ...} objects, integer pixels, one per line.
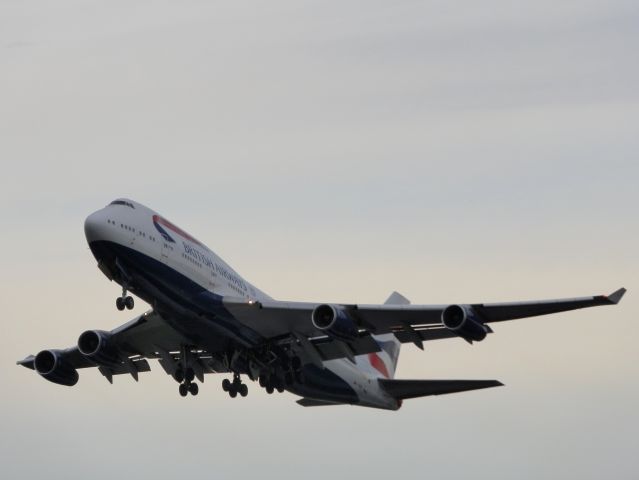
[
  {"x": 27, "y": 362},
  {"x": 616, "y": 297}
]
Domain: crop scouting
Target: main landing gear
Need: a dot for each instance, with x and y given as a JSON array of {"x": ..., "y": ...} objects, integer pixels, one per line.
[
  {"x": 235, "y": 387},
  {"x": 185, "y": 379},
  {"x": 271, "y": 383},
  {"x": 125, "y": 301},
  {"x": 286, "y": 372}
]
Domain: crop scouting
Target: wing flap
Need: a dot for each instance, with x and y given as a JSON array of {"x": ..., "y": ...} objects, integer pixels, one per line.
[{"x": 438, "y": 333}]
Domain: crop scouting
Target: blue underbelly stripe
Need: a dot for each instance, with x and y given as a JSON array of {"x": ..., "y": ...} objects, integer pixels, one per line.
[{"x": 173, "y": 285}]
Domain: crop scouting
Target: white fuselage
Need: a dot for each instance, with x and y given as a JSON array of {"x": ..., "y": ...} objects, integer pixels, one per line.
[{"x": 138, "y": 228}]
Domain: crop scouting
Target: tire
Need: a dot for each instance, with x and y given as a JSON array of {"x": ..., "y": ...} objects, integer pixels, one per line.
[
  {"x": 262, "y": 381},
  {"x": 184, "y": 390},
  {"x": 243, "y": 390},
  {"x": 119, "y": 303},
  {"x": 189, "y": 375},
  {"x": 280, "y": 389},
  {"x": 194, "y": 389},
  {"x": 226, "y": 385},
  {"x": 179, "y": 375},
  {"x": 129, "y": 303},
  {"x": 233, "y": 393},
  {"x": 269, "y": 389}
]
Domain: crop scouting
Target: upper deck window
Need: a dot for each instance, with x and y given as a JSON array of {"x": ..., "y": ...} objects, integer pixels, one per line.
[{"x": 122, "y": 202}]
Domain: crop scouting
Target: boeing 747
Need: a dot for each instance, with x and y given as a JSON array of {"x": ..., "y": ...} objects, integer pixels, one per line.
[{"x": 205, "y": 318}]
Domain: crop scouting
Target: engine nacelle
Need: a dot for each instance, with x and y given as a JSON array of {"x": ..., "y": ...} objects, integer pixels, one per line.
[
  {"x": 335, "y": 322},
  {"x": 49, "y": 364},
  {"x": 464, "y": 322},
  {"x": 96, "y": 345}
]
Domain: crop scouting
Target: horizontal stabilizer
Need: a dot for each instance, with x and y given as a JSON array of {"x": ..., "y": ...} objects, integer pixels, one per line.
[
  {"x": 309, "y": 402},
  {"x": 403, "y": 389}
]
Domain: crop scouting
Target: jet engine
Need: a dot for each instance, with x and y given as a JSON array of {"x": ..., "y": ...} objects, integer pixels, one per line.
[
  {"x": 50, "y": 365},
  {"x": 335, "y": 322},
  {"x": 463, "y": 321},
  {"x": 97, "y": 346}
]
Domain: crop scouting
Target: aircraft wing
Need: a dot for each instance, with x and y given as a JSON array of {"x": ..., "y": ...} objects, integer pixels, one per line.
[
  {"x": 409, "y": 323},
  {"x": 130, "y": 345}
]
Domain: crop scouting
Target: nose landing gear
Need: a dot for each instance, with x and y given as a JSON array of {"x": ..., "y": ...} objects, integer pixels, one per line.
[{"x": 125, "y": 301}]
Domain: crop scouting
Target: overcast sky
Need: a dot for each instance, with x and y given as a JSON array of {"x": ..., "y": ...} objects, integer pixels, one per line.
[{"x": 453, "y": 151}]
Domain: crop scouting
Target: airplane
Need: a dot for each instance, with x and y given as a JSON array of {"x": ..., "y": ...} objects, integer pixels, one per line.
[{"x": 205, "y": 318}]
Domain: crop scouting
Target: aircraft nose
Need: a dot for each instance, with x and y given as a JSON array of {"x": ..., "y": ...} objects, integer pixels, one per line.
[{"x": 94, "y": 226}]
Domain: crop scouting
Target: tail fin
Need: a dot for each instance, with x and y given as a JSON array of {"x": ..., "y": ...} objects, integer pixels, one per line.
[{"x": 385, "y": 362}]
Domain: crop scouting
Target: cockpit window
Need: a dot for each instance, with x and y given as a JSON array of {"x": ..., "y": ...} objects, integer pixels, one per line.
[{"x": 122, "y": 202}]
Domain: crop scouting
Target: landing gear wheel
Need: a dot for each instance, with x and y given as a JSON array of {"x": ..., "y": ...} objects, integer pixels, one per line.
[
  {"x": 119, "y": 303},
  {"x": 243, "y": 389},
  {"x": 269, "y": 389},
  {"x": 189, "y": 375},
  {"x": 193, "y": 389},
  {"x": 279, "y": 389},
  {"x": 233, "y": 393},
  {"x": 226, "y": 385},
  {"x": 184, "y": 389},
  {"x": 179, "y": 375},
  {"x": 262, "y": 381},
  {"x": 129, "y": 303}
]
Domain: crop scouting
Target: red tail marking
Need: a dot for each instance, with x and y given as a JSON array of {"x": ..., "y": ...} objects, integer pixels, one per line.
[{"x": 378, "y": 364}]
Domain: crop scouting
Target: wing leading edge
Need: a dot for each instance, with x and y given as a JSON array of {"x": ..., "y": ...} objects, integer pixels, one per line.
[
  {"x": 132, "y": 343},
  {"x": 274, "y": 318},
  {"x": 498, "y": 312},
  {"x": 409, "y": 323}
]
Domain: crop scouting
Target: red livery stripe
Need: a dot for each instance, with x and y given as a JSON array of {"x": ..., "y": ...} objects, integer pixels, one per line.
[
  {"x": 174, "y": 228},
  {"x": 378, "y": 364}
]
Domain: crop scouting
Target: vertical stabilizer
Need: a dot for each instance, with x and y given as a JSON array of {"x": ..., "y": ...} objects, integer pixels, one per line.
[
  {"x": 385, "y": 362},
  {"x": 397, "y": 298}
]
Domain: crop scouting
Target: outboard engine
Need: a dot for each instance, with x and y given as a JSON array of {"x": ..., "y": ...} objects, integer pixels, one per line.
[
  {"x": 462, "y": 320},
  {"x": 335, "y": 322},
  {"x": 97, "y": 346},
  {"x": 50, "y": 365}
]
